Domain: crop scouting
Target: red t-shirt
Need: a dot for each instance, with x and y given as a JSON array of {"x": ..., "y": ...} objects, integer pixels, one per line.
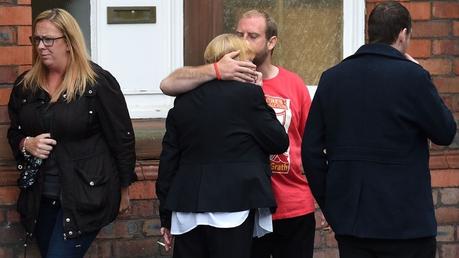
[{"x": 288, "y": 96}]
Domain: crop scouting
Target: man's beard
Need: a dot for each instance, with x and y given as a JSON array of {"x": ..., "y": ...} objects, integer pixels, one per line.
[{"x": 260, "y": 57}]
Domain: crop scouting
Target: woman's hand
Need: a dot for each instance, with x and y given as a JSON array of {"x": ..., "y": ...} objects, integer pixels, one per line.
[
  {"x": 39, "y": 146},
  {"x": 259, "y": 79},
  {"x": 125, "y": 202},
  {"x": 167, "y": 238}
]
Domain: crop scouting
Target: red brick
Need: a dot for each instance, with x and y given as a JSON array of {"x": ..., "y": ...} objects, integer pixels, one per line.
[
  {"x": 24, "y": 2},
  {"x": 438, "y": 162},
  {"x": 142, "y": 190},
  {"x": 8, "y": 35},
  {"x": 24, "y": 32},
  {"x": 447, "y": 215},
  {"x": 10, "y": 178},
  {"x": 445, "y": 178},
  {"x": 139, "y": 247},
  {"x": 139, "y": 209},
  {"x": 15, "y": 55},
  {"x": 151, "y": 227},
  {"x": 419, "y": 11},
  {"x": 445, "y": 9},
  {"x": 447, "y": 84},
  {"x": 150, "y": 172},
  {"x": 23, "y": 68},
  {"x": 13, "y": 216},
  {"x": 437, "y": 66},
  {"x": 456, "y": 66},
  {"x": 431, "y": 28},
  {"x": 450, "y": 250},
  {"x": 100, "y": 249},
  {"x": 456, "y": 28},
  {"x": 16, "y": 15},
  {"x": 121, "y": 229},
  {"x": 446, "y": 47},
  {"x": 8, "y": 74},
  {"x": 4, "y": 96},
  {"x": 420, "y": 48},
  {"x": 8, "y": 195},
  {"x": 455, "y": 103},
  {"x": 453, "y": 160}
]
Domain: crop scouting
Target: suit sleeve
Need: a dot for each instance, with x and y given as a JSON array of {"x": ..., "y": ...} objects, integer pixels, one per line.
[
  {"x": 433, "y": 116},
  {"x": 267, "y": 130},
  {"x": 312, "y": 149},
  {"x": 116, "y": 126},
  {"x": 168, "y": 165}
]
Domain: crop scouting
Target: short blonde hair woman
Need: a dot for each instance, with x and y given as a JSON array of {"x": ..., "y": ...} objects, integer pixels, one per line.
[
  {"x": 72, "y": 135},
  {"x": 214, "y": 172},
  {"x": 226, "y": 43}
]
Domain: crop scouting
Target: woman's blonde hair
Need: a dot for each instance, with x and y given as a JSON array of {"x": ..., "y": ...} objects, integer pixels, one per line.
[
  {"x": 224, "y": 44},
  {"x": 78, "y": 73}
]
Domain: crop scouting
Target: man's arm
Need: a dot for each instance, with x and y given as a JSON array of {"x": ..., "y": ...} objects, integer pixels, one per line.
[{"x": 188, "y": 78}]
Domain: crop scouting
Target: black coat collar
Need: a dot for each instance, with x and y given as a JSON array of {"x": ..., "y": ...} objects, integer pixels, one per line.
[{"x": 378, "y": 49}]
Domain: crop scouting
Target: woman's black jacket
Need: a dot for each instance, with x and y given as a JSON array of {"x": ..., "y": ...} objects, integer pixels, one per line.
[{"x": 95, "y": 151}]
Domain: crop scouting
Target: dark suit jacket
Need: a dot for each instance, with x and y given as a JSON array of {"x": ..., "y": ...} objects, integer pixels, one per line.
[
  {"x": 215, "y": 151},
  {"x": 365, "y": 148}
]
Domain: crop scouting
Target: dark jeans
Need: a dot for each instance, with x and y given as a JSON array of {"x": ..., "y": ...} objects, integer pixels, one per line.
[
  {"x": 353, "y": 247},
  {"x": 50, "y": 234},
  {"x": 291, "y": 238}
]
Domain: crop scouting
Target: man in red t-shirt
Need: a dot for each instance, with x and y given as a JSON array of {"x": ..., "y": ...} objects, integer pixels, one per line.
[{"x": 285, "y": 92}]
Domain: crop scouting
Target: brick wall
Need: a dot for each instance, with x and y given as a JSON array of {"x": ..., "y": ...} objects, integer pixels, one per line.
[{"x": 435, "y": 44}]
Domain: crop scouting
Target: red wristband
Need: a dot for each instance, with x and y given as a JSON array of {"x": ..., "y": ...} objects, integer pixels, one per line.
[{"x": 217, "y": 72}]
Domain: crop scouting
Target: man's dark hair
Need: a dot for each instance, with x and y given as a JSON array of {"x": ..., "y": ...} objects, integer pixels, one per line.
[{"x": 386, "y": 21}]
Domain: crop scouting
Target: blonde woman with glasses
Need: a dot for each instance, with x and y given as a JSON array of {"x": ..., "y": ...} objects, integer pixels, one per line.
[{"x": 72, "y": 137}]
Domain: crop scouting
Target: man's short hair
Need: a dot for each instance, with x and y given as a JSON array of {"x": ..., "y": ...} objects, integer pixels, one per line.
[
  {"x": 271, "y": 25},
  {"x": 386, "y": 21}
]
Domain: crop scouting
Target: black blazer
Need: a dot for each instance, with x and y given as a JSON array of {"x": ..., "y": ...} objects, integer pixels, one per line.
[
  {"x": 215, "y": 150},
  {"x": 365, "y": 148}
]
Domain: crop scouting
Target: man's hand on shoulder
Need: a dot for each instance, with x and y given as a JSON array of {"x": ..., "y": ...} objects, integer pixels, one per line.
[{"x": 243, "y": 71}]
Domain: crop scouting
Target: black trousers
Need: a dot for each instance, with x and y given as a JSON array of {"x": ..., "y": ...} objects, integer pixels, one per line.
[
  {"x": 353, "y": 247},
  {"x": 211, "y": 242},
  {"x": 291, "y": 238}
]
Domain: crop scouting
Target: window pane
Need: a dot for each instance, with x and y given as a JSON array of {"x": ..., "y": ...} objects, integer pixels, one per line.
[{"x": 310, "y": 32}]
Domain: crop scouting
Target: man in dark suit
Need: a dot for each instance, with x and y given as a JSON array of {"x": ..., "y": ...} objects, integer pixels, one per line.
[{"x": 365, "y": 149}]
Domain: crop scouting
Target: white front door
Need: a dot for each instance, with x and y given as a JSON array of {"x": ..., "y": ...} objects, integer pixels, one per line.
[{"x": 139, "y": 55}]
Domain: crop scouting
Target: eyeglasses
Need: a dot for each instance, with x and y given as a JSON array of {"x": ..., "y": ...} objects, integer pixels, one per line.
[{"x": 48, "y": 42}]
